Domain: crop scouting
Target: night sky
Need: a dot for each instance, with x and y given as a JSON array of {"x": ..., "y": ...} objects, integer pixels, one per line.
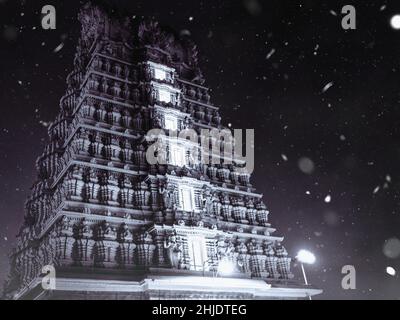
[{"x": 324, "y": 103}]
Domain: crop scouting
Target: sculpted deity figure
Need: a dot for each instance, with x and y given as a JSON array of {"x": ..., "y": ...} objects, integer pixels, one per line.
[
  {"x": 86, "y": 231},
  {"x": 157, "y": 123},
  {"x": 107, "y": 231},
  {"x": 65, "y": 225},
  {"x": 207, "y": 200},
  {"x": 269, "y": 249},
  {"x": 174, "y": 251},
  {"x": 216, "y": 205},
  {"x": 227, "y": 250},
  {"x": 167, "y": 197},
  {"x": 200, "y": 224},
  {"x": 124, "y": 234},
  {"x": 280, "y": 250},
  {"x": 187, "y": 123}
]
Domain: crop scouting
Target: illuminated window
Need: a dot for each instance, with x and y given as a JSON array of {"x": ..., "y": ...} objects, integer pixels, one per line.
[
  {"x": 177, "y": 155},
  {"x": 170, "y": 123},
  {"x": 186, "y": 195},
  {"x": 160, "y": 74},
  {"x": 164, "y": 96},
  {"x": 197, "y": 252}
]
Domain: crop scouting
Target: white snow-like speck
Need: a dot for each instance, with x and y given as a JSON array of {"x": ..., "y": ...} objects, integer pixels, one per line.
[
  {"x": 327, "y": 87},
  {"x": 391, "y": 248},
  {"x": 328, "y": 199},
  {"x": 332, "y": 12},
  {"x": 270, "y": 54},
  {"x": 59, "y": 48},
  {"x": 391, "y": 271},
  {"x": 316, "y": 50},
  {"x": 44, "y": 124},
  {"x": 376, "y": 190},
  {"x": 284, "y": 157},
  {"x": 385, "y": 185},
  {"x": 185, "y": 33},
  {"x": 306, "y": 165}
]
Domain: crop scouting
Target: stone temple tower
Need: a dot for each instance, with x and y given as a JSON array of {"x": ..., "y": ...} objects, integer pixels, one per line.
[{"x": 106, "y": 222}]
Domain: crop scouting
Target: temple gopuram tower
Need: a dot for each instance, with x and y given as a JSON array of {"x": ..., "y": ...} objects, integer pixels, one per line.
[{"x": 114, "y": 226}]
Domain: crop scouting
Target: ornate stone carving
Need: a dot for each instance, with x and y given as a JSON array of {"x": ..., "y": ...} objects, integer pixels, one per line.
[
  {"x": 145, "y": 249},
  {"x": 167, "y": 196},
  {"x": 207, "y": 200},
  {"x": 174, "y": 251},
  {"x": 283, "y": 263}
]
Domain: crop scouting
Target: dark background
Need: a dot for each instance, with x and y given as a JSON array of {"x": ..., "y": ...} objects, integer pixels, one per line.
[{"x": 350, "y": 132}]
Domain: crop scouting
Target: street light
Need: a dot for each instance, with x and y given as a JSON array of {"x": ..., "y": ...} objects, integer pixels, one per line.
[{"x": 305, "y": 257}]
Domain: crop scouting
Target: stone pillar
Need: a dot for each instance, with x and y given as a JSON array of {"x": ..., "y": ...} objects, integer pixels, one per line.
[
  {"x": 243, "y": 258},
  {"x": 125, "y": 255},
  {"x": 89, "y": 252},
  {"x": 155, "y": 200},
  {"x": 169, "y": 216},
  {"x": 212, "y": 172},
  {"x": 160, "y": 252},
  {"x": 226, "y": 208},
  {"x": 251, "y": 213},
  {"x": 271, "y": 261},
  {"x": 262, "y": 214},
  {"x": 110, "y": 253},
  {"x": 239, "y": 211},
  {"x": 68, "y": 250},
  {"x": 125, "y": 251},
  {"x": 98, "y": 254},
  {"x": 257, "y": 260},
  {"x": 283, "y": 262},
  {"x": 145, "y": 250}
]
